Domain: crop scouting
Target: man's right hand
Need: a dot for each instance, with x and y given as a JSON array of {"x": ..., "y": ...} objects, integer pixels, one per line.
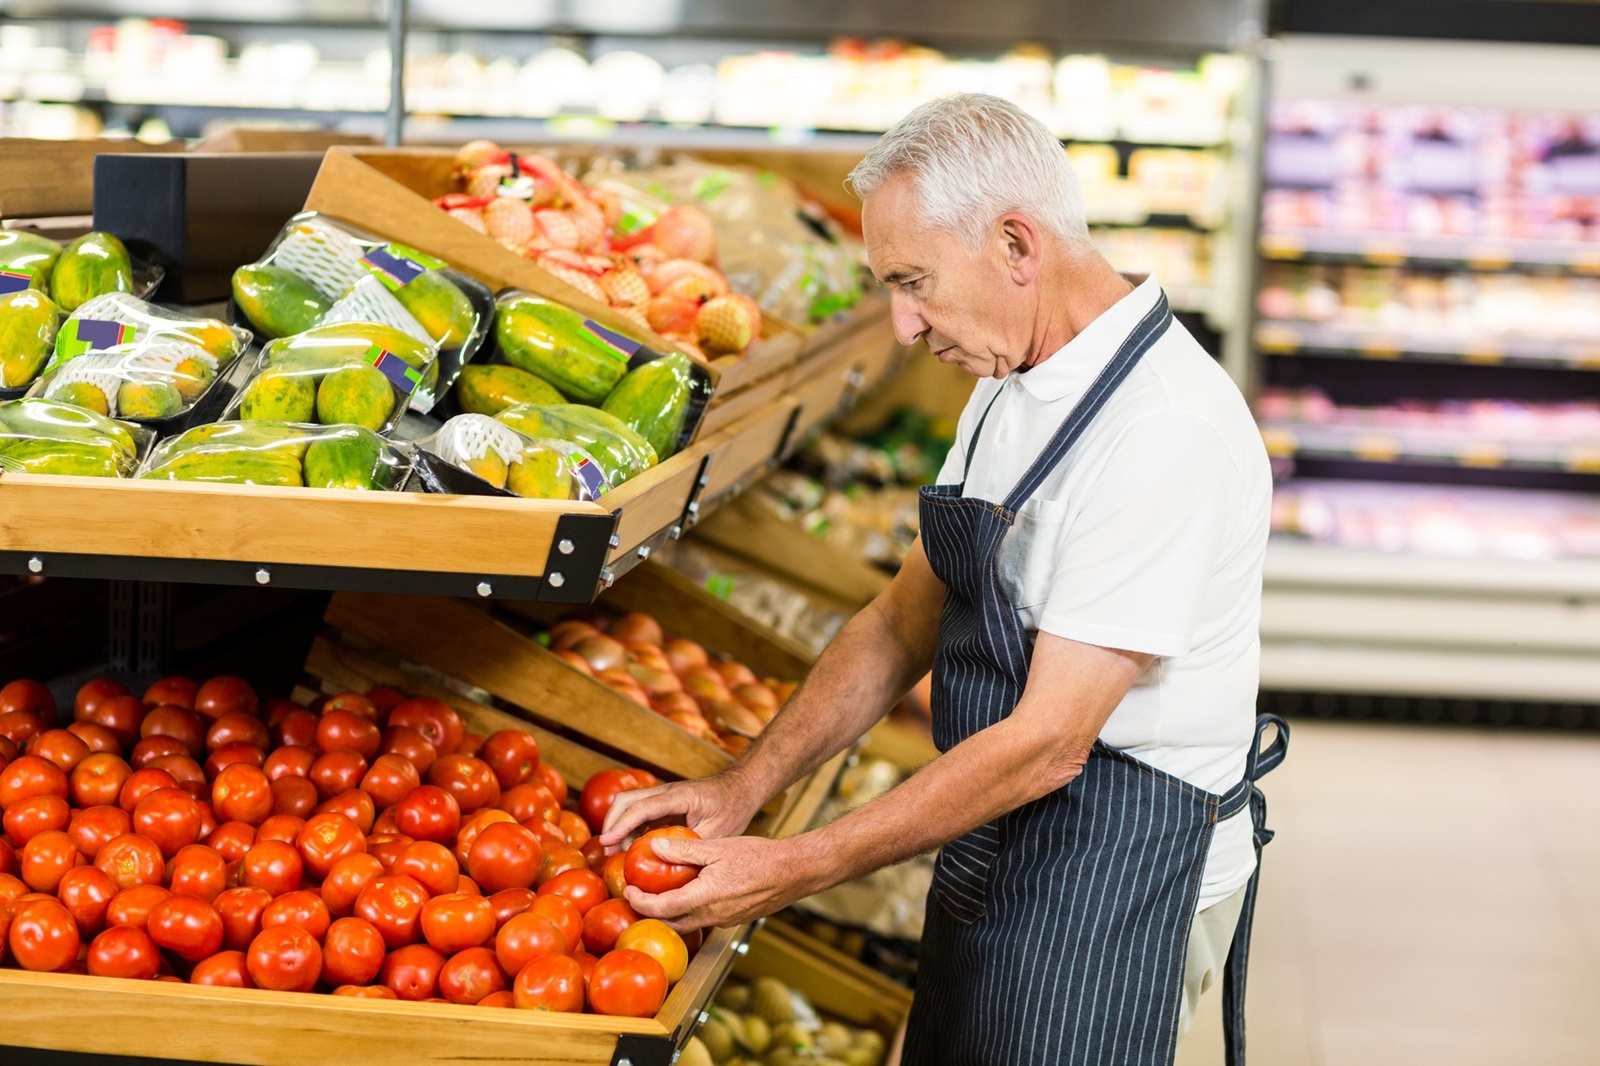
[{"x": 720, "y": 806}]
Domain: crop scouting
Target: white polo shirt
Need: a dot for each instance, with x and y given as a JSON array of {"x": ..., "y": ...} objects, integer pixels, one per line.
[{"x": 1150, "y": 537}]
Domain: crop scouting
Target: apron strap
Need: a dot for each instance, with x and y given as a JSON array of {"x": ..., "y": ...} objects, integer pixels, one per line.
[{"x": 972, "y": 445}]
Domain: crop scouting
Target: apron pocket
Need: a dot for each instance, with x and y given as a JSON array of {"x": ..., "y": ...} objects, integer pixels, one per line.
[{"x": 961, "y": 872}]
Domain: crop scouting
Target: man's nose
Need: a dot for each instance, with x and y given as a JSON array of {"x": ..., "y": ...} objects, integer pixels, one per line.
[{"x": 906, "y": 318}]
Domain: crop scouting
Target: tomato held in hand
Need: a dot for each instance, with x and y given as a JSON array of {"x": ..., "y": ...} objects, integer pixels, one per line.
[
  {"x": 285, "y": 958},
  {"x": 412, "y": 972},
  {"x": 553, "y": 982},
  {"x": 353, "y": 953},
  {"x": 125, "y": 951},
  {"x": 628, "y": 984},
  {"x": 645, "y": 871}
]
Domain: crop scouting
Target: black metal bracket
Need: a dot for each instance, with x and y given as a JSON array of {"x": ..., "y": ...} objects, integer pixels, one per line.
[
  {"x": 691, "y": 506},
  {"x": 139, "y": 629},
  {"x": 788, "y": 435},
  {"x": 634, "y": 1049},
  {"x": 575, "y": 568}
]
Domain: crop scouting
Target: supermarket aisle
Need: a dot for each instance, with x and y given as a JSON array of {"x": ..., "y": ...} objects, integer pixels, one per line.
[{"x": 1433, "y": 897}]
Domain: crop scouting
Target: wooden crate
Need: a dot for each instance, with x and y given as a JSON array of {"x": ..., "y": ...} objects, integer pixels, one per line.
[
  {"x": 835, "y": 983},
  {"x": 39, "y": 178}
]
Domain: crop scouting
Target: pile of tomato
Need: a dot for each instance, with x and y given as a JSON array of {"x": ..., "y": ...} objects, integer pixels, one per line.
[{"x": 366, "y": 845}]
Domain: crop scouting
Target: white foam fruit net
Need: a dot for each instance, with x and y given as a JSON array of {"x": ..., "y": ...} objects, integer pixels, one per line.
[
  {"x": 369, "y": 301},
  {"x": 116, "y": 307},
  {"x": 470, "y": 437},
  {"x": 103, "y": 370},
  {"x": 163, "y": 358},
  {"x": 326, "y": 256}
]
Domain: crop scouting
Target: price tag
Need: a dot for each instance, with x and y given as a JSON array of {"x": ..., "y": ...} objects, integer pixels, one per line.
[
  {"x": 623, "y": 348},
  {"x": 1281, "y": 443},
  {"x": 1282, "y": 246},
  {"x": 400, "y": 373},
  {"x": 1376, "y": 449},
  {"x": 397, "y": 265},
  {"x": 1482, "y": 454},
  {"x": 591, "y": 481},
  {"x": 82, "y": 335},
  {"x": 1276, "y": 338},
  {"x": 15, "y": 279}
]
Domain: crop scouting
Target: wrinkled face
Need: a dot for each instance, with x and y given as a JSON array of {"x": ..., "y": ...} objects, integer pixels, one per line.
[{"x": 960, "y": 300}]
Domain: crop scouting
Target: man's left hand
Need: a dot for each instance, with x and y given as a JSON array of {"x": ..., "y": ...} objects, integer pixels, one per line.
[{"x": 741, "y": 878}]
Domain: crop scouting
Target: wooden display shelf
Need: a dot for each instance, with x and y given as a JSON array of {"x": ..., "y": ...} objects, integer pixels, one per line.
[
  {"x": 42, "y": 178},
  {"x": 835, "y": 983}
]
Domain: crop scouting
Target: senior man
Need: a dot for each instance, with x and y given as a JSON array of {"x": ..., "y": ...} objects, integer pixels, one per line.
[{"x": 1086, "y": 590}]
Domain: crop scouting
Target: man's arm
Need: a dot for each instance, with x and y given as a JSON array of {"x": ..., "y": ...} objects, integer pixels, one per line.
[
  {"x": 1072, "y": 689},
  {"x": 867, "y": 667}
]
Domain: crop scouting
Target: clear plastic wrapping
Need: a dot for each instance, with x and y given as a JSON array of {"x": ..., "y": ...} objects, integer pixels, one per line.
[
  {"x": 275, "y": 453},
  {"x": 620, "y": 452},
  {"x": 320, "y": 271},
  {"x": 44, "y": 437},
  {"x": 500, "y": 458},
  {"x": 29, "y": 322}
]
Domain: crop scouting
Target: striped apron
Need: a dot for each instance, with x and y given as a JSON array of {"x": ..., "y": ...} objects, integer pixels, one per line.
[{"x": 1056, "y": 934}]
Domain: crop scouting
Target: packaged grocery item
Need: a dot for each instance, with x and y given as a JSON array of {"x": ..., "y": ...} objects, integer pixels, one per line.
[
  {"x": 275, "y": 453},
  {"x": 654, "y": 398},
  {"x": 580, "y": 357},
  {"x": 96, "y": 264},
  {"x": 151, "y": 381},
  {"x": 26, "y": 260},
  {"x": 490, "y": 389},
  {"x": 119, "y": 320},
  {"x": 621, "y": 453},
  {"x": 29, "y": 321},
  {"x": 44, "y": 437},
  {"x": 348, "y": 373},
  {"x": 501, "y": 460},
  {"x": 322, "y": 272}
]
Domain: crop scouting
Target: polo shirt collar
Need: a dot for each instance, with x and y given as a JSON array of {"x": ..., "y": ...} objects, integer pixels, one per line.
[{"x": 1073, "y": 367}]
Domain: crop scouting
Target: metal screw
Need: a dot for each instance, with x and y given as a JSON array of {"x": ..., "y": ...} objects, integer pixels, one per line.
[
  {"x": 644, "y": 551},
  {"x": 607, "y": 578},
  {"x": 35, "y": 565},
  {"x": 705, "y": 1016},
  {"x": 556, "y": 579},
  {"x": 616, "y": 541},
  {"x": 564, "y": 546},
  {"x": 676, "y": 532},
  {"x": 263, "y": 576},
  {"x": 624, "y": 1062},
  {"x": 694, "y": 508},
  {"x": 856, "y": 379},
  {"x": 743, "y": 948},
  {"x": 485, "y": 589}
]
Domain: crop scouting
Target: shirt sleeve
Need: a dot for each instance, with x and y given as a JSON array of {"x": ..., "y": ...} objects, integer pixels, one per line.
[{"x": 1134, "y": 563}]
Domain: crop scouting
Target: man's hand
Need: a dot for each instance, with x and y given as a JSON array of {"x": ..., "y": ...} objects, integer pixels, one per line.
[
  {"x": 741, "y": 878},
  {"x": 717, "y": 806}
]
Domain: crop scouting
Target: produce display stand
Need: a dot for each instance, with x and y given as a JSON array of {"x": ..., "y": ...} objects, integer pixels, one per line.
[{"x": 45, "y": 178}]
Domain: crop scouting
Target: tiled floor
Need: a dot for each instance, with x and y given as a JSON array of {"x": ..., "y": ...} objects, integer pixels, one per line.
[{"x": 1432, "y": 899}]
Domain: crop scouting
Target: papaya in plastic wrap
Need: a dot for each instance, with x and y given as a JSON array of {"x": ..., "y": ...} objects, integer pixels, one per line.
[
  {"x": 267, "y": 453},
  {"x": 94, "y": 327},
  {"x": 579, "y": 357},
  {"x": 508, "y": 460},
  {"x": 276, "y": 302},
  {"x": 654, "y": 398},
  {"x": 45, "y": 437},
  {"x": 28, "y": 323},
  {"x": 488, "y": 390},
  {"x": 27, "y": 253},
  {"x": 92, "y": 265},
  {"x": 619, "y": 451}
]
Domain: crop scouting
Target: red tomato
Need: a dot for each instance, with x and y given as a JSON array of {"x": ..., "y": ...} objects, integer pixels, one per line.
[
  {"x": 385, "y": 699},
  {"x": 551, "y": 778},
  {"x": 130, "y": 860},
  {"x": 470, "y": 975},
  {"x": 345, "y": 881},
  {"x": 355, "y": 805},
  {"x": 343, "y": 730},
  {"x": 240, "y": 910},
  {"x": 236, "y": 728},
  {"x": 563, "y": 914},
  {"x": 474, "y": 825},
  {"x": 178, "y": 691},
  {"x": 531, "y": 800},
  {"x": 645, "y": 871},
  {"x": 94, "y": 828},
  {"x": 469, "y": 780},
  {"x": 150, "y": 749},
  {"x": 470, "y": 744},
  {"x": 226, "y": 695},
  {"x": 199, "y": 871},
  {"x": 390, "y": 780},
  {"x": 41, "y": 814},
  {"x": 412, "y": 971},
  {"x": 124, "y": 951},
  {"x": 295, "y": 796},
  {"x": 337, "y": 772},
  {"x": 284, "y": 827},
  {"x": 225, "y": 969},
  {"x": 586, "y": 963},
  {"x": 97, "y": 780},
  {"x": 285, "y": 958},
  {"x": 272, "y": 865},
  {"x": 437, "y": 721},
  {"x": 604, "y": 923},
  {"x": 526, "y": 937},
  {"x": 394, "y": 904},
  {"x": 454, "y": 922},
  {"x": 353, "y": 953},
  {"x": 176, "y": 723},
  {"x": 352, "y": 703},
  {"x": 553, "y": 982},
  {"x": 600, "y": 791},
  {"x": 30, "y": 776},
  {"x": 20, "y": 727},
  {"x": 87, "y": 895},
  {"x": 168, "y": 816},
  {"x": 575, "y": 828},
  {"x": 229, "y": 754},
  {"x": 25, "y": 695},
  {"x": 61, "y": 747},
  {"x": 558, "y": 860},
  {"x": 140, "y": 784},
  {"x": 122, "y": 715},
  {"x": 466, "y": 886},
  {"x": 594, "y": 853},
  {"x": 583, "y": 888},
  {"x": 504, "y": 855},
  {"x": 98, "y": 737},
  {"x": 242, "y": 793},
  {"x": 232, "y": 839},
  {"x": 547, "y": 832},
  {"x": 325, "y": 839},
  {"x": 297, "y": 729},
  {"x": 429, "y": 813},
  {"x": 46, "y": 859},
  {"x": 433, "y": 865},
  {"x": 509, "y": 903},
  {"x": 289, "y": 762},
  {"x": 512, "y": 754},
  {"x": 498, "y": 999},
  {"x": 93, "y": 693},
  {"x": 628, "y": 984},
  {"x": 412, "y": 745},
  {"x": 301, "y": 907},
  {"x": 386, "y": 848},
  {"x": 365, "y": 992},
  {"x": 8, "y": 863},
  {"x": 132, "y": 906},
  {"x": 44, "y": 937},
  {"x": 189, "y": 775},
  {"x": 186, "y": 926}
]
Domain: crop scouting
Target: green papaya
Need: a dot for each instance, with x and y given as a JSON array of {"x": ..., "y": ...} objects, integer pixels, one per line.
[
  {"x": 654, "y": 399},
  {"x": 20, "y": 250},
  {"x": 541, "y": 474},
  {"x": 278, "y": 303},
  {"x": 44, "y": 456},
  {"x": 559, "y": 345},
  {"x": 142, "y": 401},
  {"x": 92, "y": 265},
  {"x": 274, "y": 467},
  {"x": 488, "y": 390},
  {"x": 59, "y": 421},
  {"x": 349, "y": 461},
  {"x": 82, "y": 394},
  {"x": 615, "y": 447},
  {"x": 219, "y": 342},
  {"x": 439, "y": 305},
  {"x": 191, "y": 377},
  {"x": 279, "y": 396},
  {"x": 347, "y": 343},
  {"x": 28, "y": 323},
  {"x": 357, "y": 396}
]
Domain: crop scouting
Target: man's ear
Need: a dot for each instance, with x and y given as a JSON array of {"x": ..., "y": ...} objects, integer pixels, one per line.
[{"x": 1023, "y": 242}]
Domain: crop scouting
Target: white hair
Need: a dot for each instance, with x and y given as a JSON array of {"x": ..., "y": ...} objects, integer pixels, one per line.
[{"x": 972, "y": 158}]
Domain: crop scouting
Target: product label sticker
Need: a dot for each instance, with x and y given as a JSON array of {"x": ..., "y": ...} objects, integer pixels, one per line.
[
  {"x": 15, "y": 279},
  {"x": 590, "y": 478},
  {"x": 402, "y": 374},
  {"x": 397, "y": 265},
  {"x": 624, "y": 348},
  {"x": 82, "y": 335},
  {"x": 517, "y": 188}
]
